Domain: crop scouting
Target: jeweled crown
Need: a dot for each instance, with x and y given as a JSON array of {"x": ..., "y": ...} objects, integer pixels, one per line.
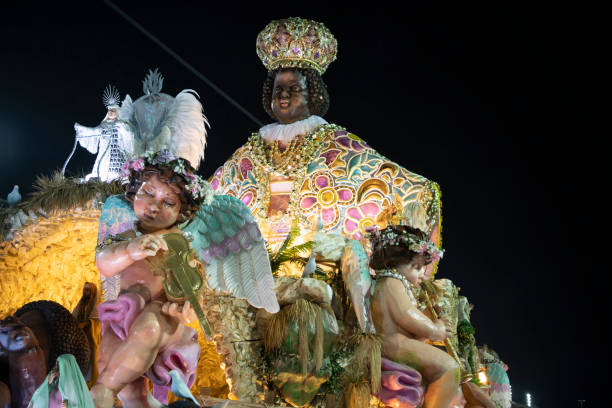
[{"x": 296, "y": 43}]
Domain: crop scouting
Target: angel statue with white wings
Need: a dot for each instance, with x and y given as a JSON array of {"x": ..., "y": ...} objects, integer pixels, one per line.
[
  {"x": 112, "y": 139},
  {"x": 150, "y": 243}
]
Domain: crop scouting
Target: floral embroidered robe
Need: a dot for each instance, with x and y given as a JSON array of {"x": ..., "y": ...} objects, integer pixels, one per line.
[{"x": 346, "y": 184}]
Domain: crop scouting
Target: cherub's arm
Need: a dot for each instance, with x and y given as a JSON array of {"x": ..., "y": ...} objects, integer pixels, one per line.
[
  {"x": 114, "y": 258},
  {"x": 411, "y": 319}
]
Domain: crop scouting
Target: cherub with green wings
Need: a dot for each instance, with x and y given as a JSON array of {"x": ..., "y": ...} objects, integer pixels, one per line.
[{"x": 146, "y": 246}]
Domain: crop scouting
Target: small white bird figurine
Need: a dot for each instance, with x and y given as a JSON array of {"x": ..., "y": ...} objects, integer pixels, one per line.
[
  {"x": 14, "y": 197},
  {"x": 180, "y": 389}
]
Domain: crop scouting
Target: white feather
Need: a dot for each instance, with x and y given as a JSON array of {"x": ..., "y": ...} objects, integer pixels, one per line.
[
  {"x": 243, "y": 278},
  {"x": 125, "y": 112},
  {"x": 264, "y": 283},
  {"x": 245, "y": 275},
  {"x": 187, "y": 124},
  {"x": 229, "y": 262}
]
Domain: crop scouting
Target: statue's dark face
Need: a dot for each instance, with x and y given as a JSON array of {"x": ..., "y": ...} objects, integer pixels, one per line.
[
  {"x": 15, "y": 336},
  {"x": 290, "y": 97}
]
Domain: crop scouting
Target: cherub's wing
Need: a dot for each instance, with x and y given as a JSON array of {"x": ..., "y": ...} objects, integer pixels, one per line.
[
  {"x": 357, "y": 281},
  {"x": 116, "y": 216},
  {"x": 228, "y": 240}
]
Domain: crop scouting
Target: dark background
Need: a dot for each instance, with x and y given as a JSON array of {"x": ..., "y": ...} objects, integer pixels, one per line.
[{"x": 474, "y": 97}]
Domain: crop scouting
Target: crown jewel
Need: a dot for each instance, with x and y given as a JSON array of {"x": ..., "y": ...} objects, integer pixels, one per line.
[{"x": 296, "y": 43}]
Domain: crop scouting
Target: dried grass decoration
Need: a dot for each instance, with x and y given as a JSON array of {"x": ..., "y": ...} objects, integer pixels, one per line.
[
  {"x": 304, "y": 313},
  {"x": 357, "y": 395},
  {"x": 365, "y": 363},
  {"x": 58, "y": 193}
]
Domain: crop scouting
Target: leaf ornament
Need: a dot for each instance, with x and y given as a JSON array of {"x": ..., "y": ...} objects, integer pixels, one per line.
[{"x": 227, "y": 238}]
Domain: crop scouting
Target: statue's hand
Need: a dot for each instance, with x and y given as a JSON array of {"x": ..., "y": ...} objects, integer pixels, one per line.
[
  {"x": 185, "y": 314},
  {"x": 146, "y": 245},
  {"x": 443, "y": 331}
]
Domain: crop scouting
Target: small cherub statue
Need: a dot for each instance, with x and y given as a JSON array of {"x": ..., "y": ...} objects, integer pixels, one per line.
[
  {"x": 142, "y": 321},
  {"x": 400, "y": 254},
  {"x": 144, "y": 329},
  {"x": 146, "y": 242}
]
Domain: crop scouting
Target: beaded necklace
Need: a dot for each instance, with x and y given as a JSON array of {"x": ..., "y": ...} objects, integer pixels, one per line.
[
  {"x": 391, "y": 273},
  {"x": 296, "y": 156},
  {"x": 294, "y": 163}
]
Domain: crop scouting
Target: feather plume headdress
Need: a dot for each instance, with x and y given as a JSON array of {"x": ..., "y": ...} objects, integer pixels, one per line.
[
  {"x": 169, "y": 131},
  {"x": 166, "y": 123}
]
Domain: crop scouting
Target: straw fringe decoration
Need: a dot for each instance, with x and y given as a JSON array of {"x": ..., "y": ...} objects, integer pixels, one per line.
[
  {"x": 357, "y": 395},
  {"x": 367, "y": 356},
  {"x": 305, "y": 314}
]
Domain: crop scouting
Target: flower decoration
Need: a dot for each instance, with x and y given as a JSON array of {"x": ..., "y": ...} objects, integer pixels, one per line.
[
  {"x": 129, "y": 165},
  {"x": 198, "y": 188},
  {"x": 326, "y": 198},
  {"x": 388, "y": 237},
  {"x": 360, "y": 218}
]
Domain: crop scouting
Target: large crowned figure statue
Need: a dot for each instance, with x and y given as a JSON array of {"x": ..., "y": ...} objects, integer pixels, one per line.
[
  {"x": 303, "y": 167},
  {"x": 304, "y": 176}
]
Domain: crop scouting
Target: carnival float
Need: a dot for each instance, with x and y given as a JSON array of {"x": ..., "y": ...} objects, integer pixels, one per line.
[{"x": 304, "y": 272}]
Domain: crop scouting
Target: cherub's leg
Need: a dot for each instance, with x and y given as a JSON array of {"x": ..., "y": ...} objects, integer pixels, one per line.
[
  {"x": 438, "y": 368},
  {"x": 150, "y": 331},
  {"x": 134, "y": 394},
  {"x": 110, "y": 341},
  {"x": 108, "y": 344}
]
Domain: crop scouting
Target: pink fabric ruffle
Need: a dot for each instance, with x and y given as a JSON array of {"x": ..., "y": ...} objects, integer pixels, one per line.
[
  {"x": 181, "y": 356},
  {"x": 401, "y": 386},
  {"x": 119, "y": 314}
]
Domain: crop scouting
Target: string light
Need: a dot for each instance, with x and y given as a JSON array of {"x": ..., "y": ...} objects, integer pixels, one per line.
[{"x": 528, "y": 399}]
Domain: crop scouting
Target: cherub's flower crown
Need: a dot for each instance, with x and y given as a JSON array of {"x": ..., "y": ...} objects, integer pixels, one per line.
[
  {"x": 198, "y": 188},
  {"x": 389, "y": 237}
]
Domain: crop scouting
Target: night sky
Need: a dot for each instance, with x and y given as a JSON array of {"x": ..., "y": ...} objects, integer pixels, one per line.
[{"x": 469, "y": 96}]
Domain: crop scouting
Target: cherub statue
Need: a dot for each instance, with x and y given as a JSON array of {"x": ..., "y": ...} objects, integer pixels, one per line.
[
  {"x": 143, "y": 319},
  {"x": 400, "y": 254},
  {"x": 112, "y": 139}
]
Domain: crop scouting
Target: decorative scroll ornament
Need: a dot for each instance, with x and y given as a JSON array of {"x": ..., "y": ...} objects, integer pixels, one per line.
[{"x": 296, "y": 43}]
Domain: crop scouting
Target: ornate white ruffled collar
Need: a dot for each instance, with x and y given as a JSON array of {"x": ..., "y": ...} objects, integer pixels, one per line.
[{"x": 284, "y": 133}]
